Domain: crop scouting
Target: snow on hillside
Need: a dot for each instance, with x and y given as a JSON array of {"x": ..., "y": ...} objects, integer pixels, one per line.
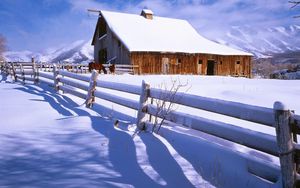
[
  {"x": 76, "y": 146},
  {"x": 77, "y": 52},
  {"x": 20, "y": 55},
  {"x": 263, "y": 42}
]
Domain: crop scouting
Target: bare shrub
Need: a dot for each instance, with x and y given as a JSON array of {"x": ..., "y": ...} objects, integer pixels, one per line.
[
  {"x": 293, "y": 5},
  {"x": 168, "y": 101}
]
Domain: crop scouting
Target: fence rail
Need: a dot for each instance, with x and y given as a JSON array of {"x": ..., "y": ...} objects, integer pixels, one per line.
[
  {"x": 238, "y": 110},
  {"x": 286, "y": 123},
  {"x": 78, "y": 68},
  {"x": 120, "y": 87}
]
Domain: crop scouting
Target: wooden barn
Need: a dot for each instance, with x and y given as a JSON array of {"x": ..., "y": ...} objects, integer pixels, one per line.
[{"x": 161, "y": 45}]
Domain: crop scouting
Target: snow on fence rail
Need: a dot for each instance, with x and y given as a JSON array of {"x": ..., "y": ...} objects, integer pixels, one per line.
[
  {"x": 75, "y": 68},
  {"x": 43, "y": 72},
  {"x": 287, "y": 124},
  {"x": 81, "y": 68},
  {"x": 78, "y": 68}
]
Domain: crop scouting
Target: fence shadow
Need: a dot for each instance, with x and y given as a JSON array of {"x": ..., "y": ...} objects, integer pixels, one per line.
[
  {"x": 210, "y": 169},
  {"x": 3, "y": 77},
  {"x": 39, "y": 167},
  {"x": 23, "y": 163},
  {"x": 159, "y": 156}
]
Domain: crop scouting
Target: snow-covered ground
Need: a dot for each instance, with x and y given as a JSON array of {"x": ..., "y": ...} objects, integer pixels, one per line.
[
  {"x": 258, "y": 92},
  {"x": 48, "y": 139}
]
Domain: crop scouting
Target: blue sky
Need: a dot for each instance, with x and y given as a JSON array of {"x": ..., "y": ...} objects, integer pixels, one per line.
[{"x": 39, "y": 25}]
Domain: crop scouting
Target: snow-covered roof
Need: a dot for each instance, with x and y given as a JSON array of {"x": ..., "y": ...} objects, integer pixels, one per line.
[
  {"x": 147, "y": 11},
  {"x": 161, "y": 34}
]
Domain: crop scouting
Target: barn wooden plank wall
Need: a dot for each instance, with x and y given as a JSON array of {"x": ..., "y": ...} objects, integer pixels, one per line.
[{"x": 180, "y": 63}]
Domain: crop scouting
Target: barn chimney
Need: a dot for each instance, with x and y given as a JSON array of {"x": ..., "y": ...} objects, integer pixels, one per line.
[{"x": 148, "y": 14}]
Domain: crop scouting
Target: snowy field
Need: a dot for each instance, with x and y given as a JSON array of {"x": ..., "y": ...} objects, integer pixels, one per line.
[
  {"x": 48, "y": 139},
  {"x": 259, "y": 92}
]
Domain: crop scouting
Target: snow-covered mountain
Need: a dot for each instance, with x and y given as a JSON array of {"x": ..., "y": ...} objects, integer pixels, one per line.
[
  {"x": 262, "y": 42},
  {"x": 20, "y": 55},
  {"x": 76, "y": 52}
]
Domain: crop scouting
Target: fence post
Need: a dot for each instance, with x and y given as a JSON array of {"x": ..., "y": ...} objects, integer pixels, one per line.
[
  {"x": 14, "y": 72},
  {"x": 22, "y": 73},
  {"x": 150, "y": 116},
  {"x": 35, "y": 72},
  {"x": 9, "y": 69},
  {"x": 285, "y": 144},
  {"x": 3, "y": 68},
  {"x": 141, "y": 116},
  {"x": 55, "y": 77},
  {"x": 90, "y": 98}
]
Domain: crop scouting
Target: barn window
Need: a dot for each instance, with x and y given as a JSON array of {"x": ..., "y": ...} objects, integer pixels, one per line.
[
  {"x": 238, "y": 62},
  {"x": 165, "y": 65},
  {"x": 221, "y": 62},
  {"x": 119, "y": 43},
  {"x": 200, "y": 61},
  {"x": 178, "y": 61}
]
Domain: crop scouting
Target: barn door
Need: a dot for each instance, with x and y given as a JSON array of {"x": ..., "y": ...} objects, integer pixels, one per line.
[
  {"x": 102, "y": 56},
  {"x": 238, "y": 68},
  {"x": 199, "y": 66},
  {"x": 165, "y": 65},
  {"x": 210, "y": 67}
]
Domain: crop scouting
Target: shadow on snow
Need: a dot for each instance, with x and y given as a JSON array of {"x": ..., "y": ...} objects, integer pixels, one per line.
[{"x": 29, "y": 160}]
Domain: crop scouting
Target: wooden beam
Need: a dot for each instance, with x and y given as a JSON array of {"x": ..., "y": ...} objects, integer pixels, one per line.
[
  {"x": 285, "y": 144},
  {"x": 90, "y": 98},
  {"x": 93, "y": 10},
  {"x": 141, "y": 116}
]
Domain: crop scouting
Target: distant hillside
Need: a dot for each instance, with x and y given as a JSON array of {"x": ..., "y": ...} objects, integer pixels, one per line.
[
  {"x": 287, "y": 57},
  {"x": 77, "y": 52},
  {"x": 262, "y": 42},
  {"x": 263, "y": 67}
]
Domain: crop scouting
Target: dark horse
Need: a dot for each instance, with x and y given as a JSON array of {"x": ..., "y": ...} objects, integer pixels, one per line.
[
  {"x": 112, "y": 68},
  {"x": 97, "y": 66}
]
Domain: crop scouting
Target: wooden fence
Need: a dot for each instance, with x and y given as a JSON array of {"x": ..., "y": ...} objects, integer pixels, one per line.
[
  {"x": 286, "y": 123},
  {"x": 77, "y": 68}
]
